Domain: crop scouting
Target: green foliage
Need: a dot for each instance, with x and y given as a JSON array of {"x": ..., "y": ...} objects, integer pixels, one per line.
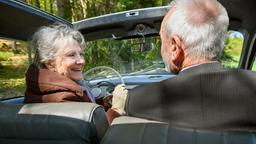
[{"x": 4, "y": 56}]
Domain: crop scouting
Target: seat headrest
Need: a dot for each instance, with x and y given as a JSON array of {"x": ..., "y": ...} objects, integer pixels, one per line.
[
  {"x": 53, "y": 121},
  {"x": 132, "y": 130}
]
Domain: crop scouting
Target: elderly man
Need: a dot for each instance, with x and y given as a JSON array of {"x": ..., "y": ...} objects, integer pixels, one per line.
[{"x": 204, "y": 94}]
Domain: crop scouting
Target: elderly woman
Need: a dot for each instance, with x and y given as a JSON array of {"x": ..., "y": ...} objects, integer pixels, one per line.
[{"x": 56, "y": 72}]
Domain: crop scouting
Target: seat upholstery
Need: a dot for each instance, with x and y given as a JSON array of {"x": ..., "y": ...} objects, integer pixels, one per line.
[
  {"x": 58, "y": 123},
  {"x": 131, "y": 130}
]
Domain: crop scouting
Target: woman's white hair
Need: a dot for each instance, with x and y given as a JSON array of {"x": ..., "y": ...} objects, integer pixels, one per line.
[
  {"x": 47, "y": 42},
  {"x": 201, "y": 24}
]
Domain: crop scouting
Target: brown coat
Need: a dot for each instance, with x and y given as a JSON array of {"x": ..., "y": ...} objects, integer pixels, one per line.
[{"x": 44, "y": 85}]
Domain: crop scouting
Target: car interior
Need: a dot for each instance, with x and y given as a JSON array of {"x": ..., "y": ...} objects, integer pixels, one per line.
[{"x": 86, "y": 123}]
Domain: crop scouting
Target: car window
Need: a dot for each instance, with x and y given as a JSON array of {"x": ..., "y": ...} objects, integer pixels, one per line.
[
  {"x": 233, "y": 49},
  {"x": 127, "y": 56}
]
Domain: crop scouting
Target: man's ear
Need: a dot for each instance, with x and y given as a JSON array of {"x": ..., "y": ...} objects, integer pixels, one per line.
[{"x": 177, "y": 51}]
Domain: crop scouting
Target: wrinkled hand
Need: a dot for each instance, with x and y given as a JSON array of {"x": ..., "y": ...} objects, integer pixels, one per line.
[{"x": 119, "y": 97}]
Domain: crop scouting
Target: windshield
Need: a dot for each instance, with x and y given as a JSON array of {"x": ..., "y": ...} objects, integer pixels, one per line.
[{"x": 129, "y": 56}]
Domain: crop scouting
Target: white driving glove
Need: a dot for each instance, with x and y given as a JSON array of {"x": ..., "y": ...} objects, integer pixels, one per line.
[{"x": 119, "y": 97}]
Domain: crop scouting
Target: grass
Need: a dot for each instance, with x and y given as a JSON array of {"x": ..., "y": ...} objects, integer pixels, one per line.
[
  {"x": 4, "y": 56},
  {"x": 12, "y": 74}
]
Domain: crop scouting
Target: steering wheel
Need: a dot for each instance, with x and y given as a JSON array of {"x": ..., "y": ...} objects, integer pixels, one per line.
[{"x": 102, "y": 88}]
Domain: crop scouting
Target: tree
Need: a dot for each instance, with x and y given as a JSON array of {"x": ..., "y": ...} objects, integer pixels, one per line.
[
  {"x": 64, "y": 9},
  {"x": 37, "y": 3}
]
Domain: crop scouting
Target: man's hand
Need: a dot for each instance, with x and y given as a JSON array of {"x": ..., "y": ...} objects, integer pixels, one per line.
[{"x": 119, "y": 97}]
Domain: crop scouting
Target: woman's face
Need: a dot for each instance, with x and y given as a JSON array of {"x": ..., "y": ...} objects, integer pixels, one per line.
[{"x": 70, "y": 60}]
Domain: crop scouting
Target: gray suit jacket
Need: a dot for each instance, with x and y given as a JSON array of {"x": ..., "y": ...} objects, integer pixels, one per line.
[{"x": 207, "y": 96}]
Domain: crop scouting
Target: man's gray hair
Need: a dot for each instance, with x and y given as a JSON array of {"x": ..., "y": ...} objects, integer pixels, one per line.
[
  {"x": 47, "y": 42},
  {"x": 201, "y": 24}
]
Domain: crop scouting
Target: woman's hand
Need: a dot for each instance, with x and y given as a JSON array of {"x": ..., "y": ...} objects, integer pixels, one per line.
[{"x": 119, "y": 97}]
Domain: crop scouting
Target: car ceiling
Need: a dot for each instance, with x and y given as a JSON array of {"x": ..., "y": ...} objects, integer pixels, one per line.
[
  {"x": 19, "y": 20},
  {"x": 242, "y": 13},
  {"x": 120, "y": 25}
]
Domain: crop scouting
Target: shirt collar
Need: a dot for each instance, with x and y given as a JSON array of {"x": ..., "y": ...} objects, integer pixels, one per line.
[{"x": 196, "y": 65}]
